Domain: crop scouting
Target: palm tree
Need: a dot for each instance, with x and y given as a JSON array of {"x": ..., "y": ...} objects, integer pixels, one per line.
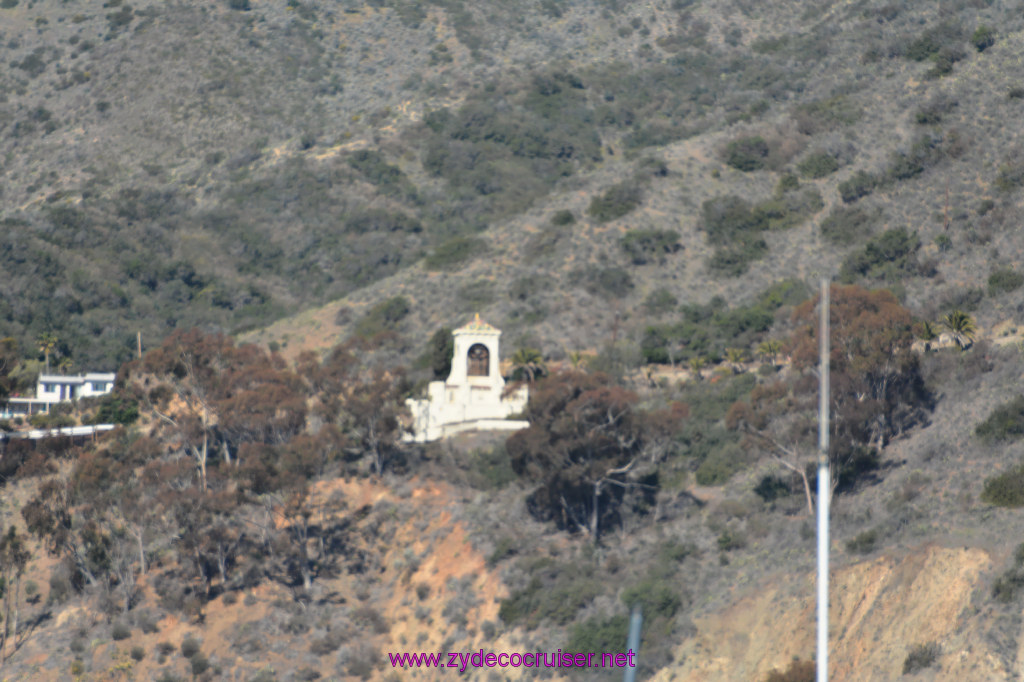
[
  {"x": 926, "y": 332},
  {"x": 769, "y": 350},
  {"x": 47, "y": 343},
  {"x": 962, "y": 327},
  {"x": 528, "y": 363},
  {"x": 578, "y": 359},
  {"x": 735, "y": 357},
  {"x": 65, "y": 365},
  {"x": 697, "y": 363}
]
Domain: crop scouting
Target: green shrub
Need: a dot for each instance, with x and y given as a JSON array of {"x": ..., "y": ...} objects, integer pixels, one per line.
[
  {"x": 120, "y": 19},
  {"x": 967, "y": 299},
  {"x": 771, "y": 488},
  {"x": 931, "y": 42},
  {"x": 747, "y": 153},
  {"x": 505, "y": 547},
  {"x": 825, "y": 115},
  {"x": 384, "y": 316},
  {"x": 389, "y": 179},
  {"x": 706, "y": 330},
  {"x": 656, "y": 598},
  {"x": 1003, "y": 281},
  {"x": 120, "y": 631},
  {"x": 599, "y": 633},
  {"x": 818, "y": 165},
  {"x": 507, "y": 156},
  {"x": 1004, "y": 424},
  {"x": 848, "y": 225},
  {"x": 730, "y": 539},
  {"x": 925, "y": 152},
  {"x": 617, "y": 201},
  {"x": 728, "y": 218},
  {"x": 440, "y": 55},
  {"x": 327, "y": 644},
  {"x": 770, "y": 45},
  {"x": 241, "y": 5},
  {"x": 494, "y": 468},
  {"x": 933, "y": 111},
  {"x": 943, "y": 62},
  {"x": 734, "y": 226},
  {"x": 787, "y": 183},
  {"x": 789, "y": 209},
  {"x": 856, "y": 462},
  {"x": 34, "y": 65},
  {"x": 527, "y": 288},
  {"x": 1011, "y": 172},
  {"x": 50, "y": 421},
  {"x": 563, "y": 217},
  {"x": 611, "y": 282},
  {"x": 891, "y": 256},
  {"x": 137, "y": 653},
  {"x": 190, "y": 646},
  {"x": 199, "y": 664},
  {"x": 476, "y": 295},
  {"x": 782, "y": 293},
  {"x": 1008, "y": 584},
  {"x": 556, "y": 593},
  {"x": 921, "y": 656},
  {"x": 660, "y": 301},
  {"x": 734, "y": 261},
  {"x": 116, "y": 408},
  {"x": 863, "y": 543},
  {"x": 543, "y": 242},
  {"x": 720, "y": 464},
  {"x": 454, "y": 252},
  {"x": 1005, "y": 489},
  {"x": 798, "y": 671},
  {"x": 860, "y": 184},
  {"x": 644, "y": 246},
  {"x": 983, "y": 38}
]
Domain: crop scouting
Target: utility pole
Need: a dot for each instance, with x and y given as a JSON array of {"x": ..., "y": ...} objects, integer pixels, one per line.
[
  {"x": 823, "y": 486},
  {"x": 138, "y": 340},
  {"x": 633, "y": 643}
]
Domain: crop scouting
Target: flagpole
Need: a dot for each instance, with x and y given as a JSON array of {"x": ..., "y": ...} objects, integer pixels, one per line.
[{"x": 823, "y": 486}]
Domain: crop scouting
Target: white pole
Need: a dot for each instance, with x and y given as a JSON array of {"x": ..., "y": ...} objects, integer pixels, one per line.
[
  {"x": 823, "y": 488},
  {"x": 633, "y": 643}
]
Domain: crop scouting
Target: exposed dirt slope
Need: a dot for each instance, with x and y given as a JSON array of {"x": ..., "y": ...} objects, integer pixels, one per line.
[
  {"x": 879, "y": 608},
  {"x": 416, "y": 559}
]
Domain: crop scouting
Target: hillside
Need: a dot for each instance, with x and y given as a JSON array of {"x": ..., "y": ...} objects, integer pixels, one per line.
[
  {"x": 225, "y": 164},
  {"x": 646, "y": 194}
]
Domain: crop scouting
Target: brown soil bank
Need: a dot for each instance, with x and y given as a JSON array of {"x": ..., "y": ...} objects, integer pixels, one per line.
[{"x": 879, "y": 610}]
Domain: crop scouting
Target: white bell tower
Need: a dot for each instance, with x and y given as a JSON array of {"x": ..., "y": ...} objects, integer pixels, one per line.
[{"x": 472, "y": 398}]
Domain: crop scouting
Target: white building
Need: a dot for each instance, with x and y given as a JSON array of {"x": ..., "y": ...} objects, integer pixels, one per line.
[
  {"x": 472, "y": 398},
  {"x": 57, "y": 387}
]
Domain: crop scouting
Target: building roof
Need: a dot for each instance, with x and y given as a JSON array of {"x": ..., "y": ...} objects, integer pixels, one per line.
[
  {"x": 76, "y": 379},
  {"x": 477, "y": 325}
]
